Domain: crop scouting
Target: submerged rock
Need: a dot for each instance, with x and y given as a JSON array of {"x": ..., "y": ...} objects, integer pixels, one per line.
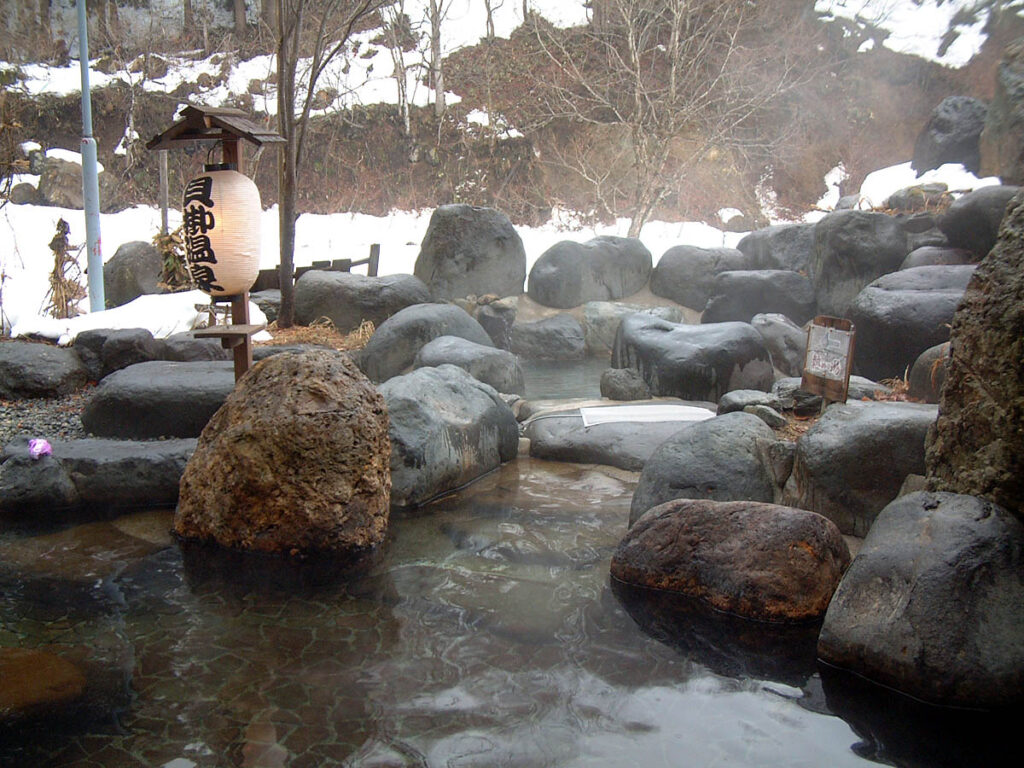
[
  {"x": 933, "y": 606},
  {"x": 296, "y": 461},
  {"x": 760, "y": 561},
  {"x": 34, "y": 682}
]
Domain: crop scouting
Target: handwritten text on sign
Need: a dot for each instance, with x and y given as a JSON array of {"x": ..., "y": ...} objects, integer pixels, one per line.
[{"x": 827, "y": 352}]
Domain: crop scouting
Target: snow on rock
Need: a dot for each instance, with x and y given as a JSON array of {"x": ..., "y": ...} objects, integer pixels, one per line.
[{"x": 880, "y": 184}]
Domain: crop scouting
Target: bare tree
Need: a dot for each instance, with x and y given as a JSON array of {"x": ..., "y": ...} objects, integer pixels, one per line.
[
  {"x": 490, "y": 6},
  {"x": 311, "y": 33},
  {"x": 188, "y": 17},
  {"x": 401, "y": 39},
  {"x": 437, "y": 11},
  {"x": 666, "y": 83},
  {"x": 238, "y": 7}
]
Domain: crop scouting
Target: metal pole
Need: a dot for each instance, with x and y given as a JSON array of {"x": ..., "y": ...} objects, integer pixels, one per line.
[
  {"x": 90, "y": 176},
  {"x": 163, "y": 192}
]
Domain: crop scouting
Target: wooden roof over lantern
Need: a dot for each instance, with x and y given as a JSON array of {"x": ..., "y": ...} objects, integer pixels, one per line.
[{"x": 200, "y": 123}]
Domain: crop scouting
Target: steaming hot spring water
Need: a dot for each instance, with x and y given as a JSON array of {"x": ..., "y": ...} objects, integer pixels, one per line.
[{"x": 486, "y": 633}]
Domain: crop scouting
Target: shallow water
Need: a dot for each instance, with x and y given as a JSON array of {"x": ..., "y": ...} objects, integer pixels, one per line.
[{"x": 564, "y": 378}]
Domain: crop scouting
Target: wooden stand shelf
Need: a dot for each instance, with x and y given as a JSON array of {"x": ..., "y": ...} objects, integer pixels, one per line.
[{"x": 238, "y": 335}]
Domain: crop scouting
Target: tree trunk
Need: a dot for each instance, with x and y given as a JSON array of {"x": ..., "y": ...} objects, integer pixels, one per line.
[
  {"x": 188, "y": 19},
  {"x": 436, "y": 68},
  {"x": 239, "y": 9},
  {"x": 287, "y": 161},
  {"x": 270, "y": 13},
  {"x": 44, "y": 17}
]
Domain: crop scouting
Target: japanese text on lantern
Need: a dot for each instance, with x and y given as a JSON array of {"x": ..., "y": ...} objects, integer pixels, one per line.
[{"x": 198, "y": 222}]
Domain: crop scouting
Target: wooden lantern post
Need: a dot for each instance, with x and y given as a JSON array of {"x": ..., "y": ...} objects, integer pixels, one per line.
[{"x": 228, "y": 127}]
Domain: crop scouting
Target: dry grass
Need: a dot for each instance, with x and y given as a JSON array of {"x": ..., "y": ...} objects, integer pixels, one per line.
[
  {"x": 322, "y": 332},
  {"x": 795, "y": 426}
]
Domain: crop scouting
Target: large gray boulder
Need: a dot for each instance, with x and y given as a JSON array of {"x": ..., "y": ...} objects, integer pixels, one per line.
[
  {"x": 928, "y": 374},
  {"x": 158, "y": 399},
  {"x": 781, "y": 246},
  {"x": 739, "y": 295},
  {"x": 854, "y": 460},
  {"x": 393, "y": 346},
  {"x": 693, "y": 362},
  {"x": 606, "y": 268},
  {"x": 554, "y": 338},
  {"x": 972, "y": 222},
  {"x": 447, "y": 429},
  {"x": 471, "y": 251},
  {"x": 951, "y": 135},
  {"x": 349, "y": 299},
  {"x": 1002, "y": 140},
  {"x": 133, "y": 271},
  {"x": 902, "y": 314},
  {"x": 28, "y": 369},
  {"x": 721, "y": 459},
  {"x": 601, "y": 322},
  {"x": 497, "y": 367},
  {"x": 933, "y": 605},
  {"x": 851, "y": 249},
  {"x": 60, "y": 183},
  {"x": 937, "y": 255},
  {"x": 686, "y": 273},
  {"x": 562, "y": 436},
  {"x": 786, "y": 342}
]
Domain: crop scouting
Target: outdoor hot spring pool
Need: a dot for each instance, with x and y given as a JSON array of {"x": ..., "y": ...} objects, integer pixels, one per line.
[{"x": 486, "y": 633}]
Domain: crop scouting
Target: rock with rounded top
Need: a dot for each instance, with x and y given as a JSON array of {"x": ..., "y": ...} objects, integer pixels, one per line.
[
  {"x": 348, "y": 299},
  {"x": 929, "y": 374},
  {"x": 60, "y": 183},
  {"x": 447, "y": 429},
  {"x": 739, "y": 295},
  {"x": 1002, "y": 139},
  {"x": 29, "y": 369},
  {"x": 569, "y": 274},
  {"x": 29, "y": 486},
  {"x": 851, "y": 249},
  {"x": 780, "y": 246},
  {"x": 786, "y": 342},
  {"x": 937, "y": 255},
  {"x": 601, "y": 321},
  {"x": 685, "y": 273},
  {"x": 623, "y": 384},
  {"x": 497, "y": 367},
  {"x": 972, "y": 222},
  {"x": 933, "y": 605},
  {"x": 760, "y": 561},
  {"x": 951, "y": 135},
  {"x": 471, "y": 251},
  {"x": 693, "y": 362},
  {"x": 854, "y": 459},
  {"x": 24, "y": 193},
  {"x": 296, "y": 461},
  {"x": 394, "y": 345},
  {"x": 720, "y": 459},
  {"x": 133, "y": 271},
  {"x": 559, "y": 337},
  {"x": 739, "y": 399}
]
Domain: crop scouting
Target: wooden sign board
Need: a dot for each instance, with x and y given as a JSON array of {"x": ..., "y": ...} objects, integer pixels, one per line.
[{"x": 829, "y": 358}]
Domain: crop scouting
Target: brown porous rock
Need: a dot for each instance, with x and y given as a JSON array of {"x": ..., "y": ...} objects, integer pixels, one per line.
[
  {"x": 296, "y": 461},
  {"x": 760, "y": 561}
]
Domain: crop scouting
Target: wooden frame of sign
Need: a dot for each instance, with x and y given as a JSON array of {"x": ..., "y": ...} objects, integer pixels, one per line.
[{"x": 829, "y": 358}]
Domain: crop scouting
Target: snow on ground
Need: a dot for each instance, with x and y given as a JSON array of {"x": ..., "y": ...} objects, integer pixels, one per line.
[{"x": 25, "y": 259}]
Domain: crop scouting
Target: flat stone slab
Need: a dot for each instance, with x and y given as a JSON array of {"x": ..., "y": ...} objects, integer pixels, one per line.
[{"x": 158, "y": 399}]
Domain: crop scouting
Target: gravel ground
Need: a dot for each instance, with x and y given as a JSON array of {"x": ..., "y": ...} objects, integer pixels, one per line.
[{"x": 55, "y": 418}]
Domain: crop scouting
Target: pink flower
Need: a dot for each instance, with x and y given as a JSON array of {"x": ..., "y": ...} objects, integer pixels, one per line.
[{"x": 39, "y": 447}]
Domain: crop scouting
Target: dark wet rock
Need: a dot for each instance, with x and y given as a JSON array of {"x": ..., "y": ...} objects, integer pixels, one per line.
[
  {"x": 554, "y": 338},
  {"x": 922, "y": 230},
  {"x": 128, "y": 346},
  {"x": 447, "y": 429},
  {"x": 158, "y": 399},
  {"x": 917, "y": 198},
  {"x": 951, "y": 135},
  {"x": 35, "y": 682},
  {"x": 29, "y": 485},
  {"x": 742, "y": 294},
  {"x": 901, "y": 315},
  {"x": 349, "y": 299},
  {"x": 767, "y": 414},
  {"x": 24, "y": 194},
  {"x": 693, "y": 362},
  {"x": 781, "y": 246},
  {"x": 760, "y": 561},
  {"x": 972, "y": 222},
  {"x": 60, "y": 183},
  {"x": 601, "y": 321},
  {"x": 738, "y": 399},
  {"x": 786, "y": 342},
  {"x": 851, "y": 249},
  {"x": 623, "y": 384},
  {"x": 393, "y": 346},
  {"x": 686, "y": 273},
  {"x": 792, "y": 397},
  {"x": 933, "y": 256},
  {"x": 720, "y": 459},
  {"x": 627, "y": 445},
  {"x": 928, "y": 374},
  {"x": 497, "y": 318},
  {"x": 569, "y": 274},
  {"x": 103, "y": 473},
  {"x": 269, "y": 302},
  {"x": 28, "y": 369},
  {"x": 295, "y": 461},
  {"x": 133, "y": 271},
  {"x": 471, "y": 251},
  {"x": 497, "y": 367},
  {"x": 1002, "y": 140},
  {"x": 854, "y": 460},
  {"x": 978, "y": 446},
  {"x": 186, "y": 348},
  {"x": 934, "y": 603}
]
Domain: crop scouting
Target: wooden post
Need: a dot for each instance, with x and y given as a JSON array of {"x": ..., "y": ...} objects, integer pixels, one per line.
[
  {"x": 240, "y": 316},
  {"x": 231, "y": 152},
  {"x": 374, "y": 261},
  {"x": 163, "y": 192}
]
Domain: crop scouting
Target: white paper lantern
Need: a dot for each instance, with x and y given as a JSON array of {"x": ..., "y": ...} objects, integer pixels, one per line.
[{"x": 221, "y": 212}]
